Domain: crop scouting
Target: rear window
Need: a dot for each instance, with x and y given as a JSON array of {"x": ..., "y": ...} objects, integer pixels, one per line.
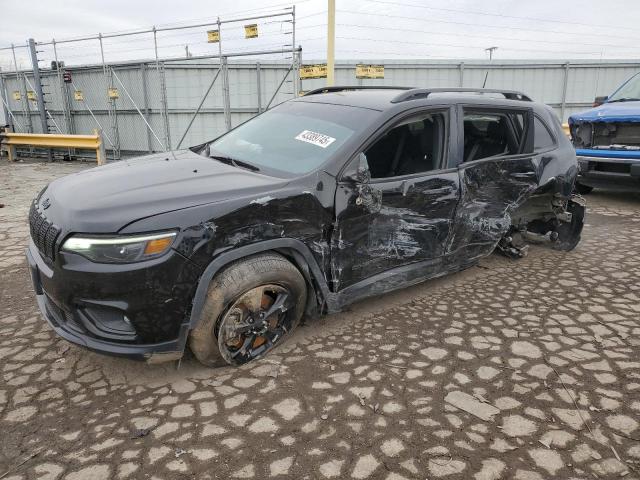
[
  {"x": 295, "y": 137},
  {"x": 542, "y": 139},
  {"x": 492, "y": 134}
]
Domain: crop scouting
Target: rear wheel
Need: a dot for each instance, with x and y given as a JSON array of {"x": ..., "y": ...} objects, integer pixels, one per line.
[
  {"x": 583, "y": 189},
  {"x": 250, "y": 307}
]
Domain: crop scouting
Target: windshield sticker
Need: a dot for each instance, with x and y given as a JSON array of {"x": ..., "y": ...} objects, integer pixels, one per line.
[{"x": 317, "y": 139}]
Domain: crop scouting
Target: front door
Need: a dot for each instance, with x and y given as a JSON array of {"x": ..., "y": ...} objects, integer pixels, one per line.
[{"x": 403, "y": 215}]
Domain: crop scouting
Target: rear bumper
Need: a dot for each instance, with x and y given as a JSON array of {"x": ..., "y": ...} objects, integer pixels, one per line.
[
  {"x": 74, "y": 324},
  {"x": 611, "y": 172}
]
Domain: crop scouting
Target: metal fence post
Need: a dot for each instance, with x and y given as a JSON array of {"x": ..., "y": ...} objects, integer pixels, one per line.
[
  {"x": 113, "y": 121},
  {"x": 145, "y": 93},
  {"x": 104, "y": 66},
  {"x": 225, "y": 93},
  {"x": 113, "y": 116},
  {"x": 297, "y": 72},
  {"x": 259, "y": 87},
  {"x": 294, "y": 57},
  {"x": 26, "y": 110},
  {"x": 226, "y": 101},
  {"x": 461, "y": 68},
  {"x": 564, "y": 91},
  {"x": 296, "y": 76},
  {"x": 163, "y": 92},
  {"x": 165, "y": 108},
  {"x": 64, "y": 91},
  {"x": 39, "y": 93}
]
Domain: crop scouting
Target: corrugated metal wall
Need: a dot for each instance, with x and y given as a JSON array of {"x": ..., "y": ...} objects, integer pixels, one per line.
[
  {"x": 568, "y": 87},
  {"x": 544, "y": 81}
]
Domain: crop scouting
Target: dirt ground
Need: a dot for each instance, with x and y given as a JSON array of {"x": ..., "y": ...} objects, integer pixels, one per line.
[{"x": 524, "y": 369}]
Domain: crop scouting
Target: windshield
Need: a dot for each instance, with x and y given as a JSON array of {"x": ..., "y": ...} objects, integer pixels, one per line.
[
  {"x": 295, "y": 137},
  {"x": 628, "y": 91}
]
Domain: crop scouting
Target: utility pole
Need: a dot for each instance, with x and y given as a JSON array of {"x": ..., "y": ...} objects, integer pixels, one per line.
[
  {"x": 490, "y": 50},
  {"x": 331, "y": 41},
  {"x": 39, "y": 94}
]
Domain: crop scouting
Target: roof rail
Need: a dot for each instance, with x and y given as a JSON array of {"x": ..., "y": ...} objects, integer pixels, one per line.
[
  {"x": 344, "y": 88},
  {"x": 417, "y": 93}
]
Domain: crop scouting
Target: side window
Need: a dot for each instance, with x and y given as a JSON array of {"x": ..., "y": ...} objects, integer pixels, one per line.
[
  {"x": 542, "y": 138},
  {"x": 491, "y": 134},
  {"x": 415, "y": 145}
]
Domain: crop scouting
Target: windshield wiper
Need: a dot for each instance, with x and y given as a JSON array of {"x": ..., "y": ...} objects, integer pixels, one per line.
[
  {"x": 627, "y": 99},
  {"x": 235, "y": 163}
]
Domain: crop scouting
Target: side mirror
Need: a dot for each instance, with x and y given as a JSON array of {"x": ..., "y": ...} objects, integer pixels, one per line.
[
  {"x": 358, "y": 171},
  {"x": 600, "y": 100}
]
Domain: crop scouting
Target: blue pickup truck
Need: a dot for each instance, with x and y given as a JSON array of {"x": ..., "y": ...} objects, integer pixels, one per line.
[{"x": 607, "y": 140}]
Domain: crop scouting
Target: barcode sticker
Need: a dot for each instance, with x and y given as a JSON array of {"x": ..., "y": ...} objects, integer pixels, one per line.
[{"x": 317, "y": 139}]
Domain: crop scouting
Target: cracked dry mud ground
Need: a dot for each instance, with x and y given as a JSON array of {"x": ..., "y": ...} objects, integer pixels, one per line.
[{"x": 549, "y": 343}]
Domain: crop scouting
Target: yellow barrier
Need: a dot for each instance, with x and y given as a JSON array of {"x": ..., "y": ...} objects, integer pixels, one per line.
[
  {"x": 88, "y": 142},
  {"x": 565, "y": 128}
]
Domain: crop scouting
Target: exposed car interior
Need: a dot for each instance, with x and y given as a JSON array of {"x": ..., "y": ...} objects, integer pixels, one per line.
[
  {"x": 491, "y": 134},
  {"x": 413, "y": 146}
]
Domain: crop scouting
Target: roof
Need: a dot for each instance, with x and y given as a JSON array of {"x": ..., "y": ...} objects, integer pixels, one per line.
[
  {"x": 383, "y": 98},
  {"x": 373, "y": 98}
]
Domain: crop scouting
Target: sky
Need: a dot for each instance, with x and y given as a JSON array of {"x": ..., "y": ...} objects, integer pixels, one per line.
[{"x": 365, "y": 29}]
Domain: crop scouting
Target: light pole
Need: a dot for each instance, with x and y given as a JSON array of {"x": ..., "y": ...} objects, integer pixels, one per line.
[{"x": 331, "y": 41}]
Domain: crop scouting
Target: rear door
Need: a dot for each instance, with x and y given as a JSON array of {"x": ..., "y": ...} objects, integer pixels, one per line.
[
  {"x": 498, "y": 172},
  {"x": 403, "y": 214}
]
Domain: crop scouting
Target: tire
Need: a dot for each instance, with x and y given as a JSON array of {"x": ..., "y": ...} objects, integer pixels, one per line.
[
  {"x": 583, "y": 189},
  {"x": 229, "y": 307}
]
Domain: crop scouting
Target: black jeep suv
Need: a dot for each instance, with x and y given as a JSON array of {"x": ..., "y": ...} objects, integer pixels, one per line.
[{"x": 344, "y": 193}]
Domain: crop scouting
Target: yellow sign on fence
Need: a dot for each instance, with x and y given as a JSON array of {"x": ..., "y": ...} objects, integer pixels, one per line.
[
  {"x": 318, "y": 70},
  {"x": 78, "y": 95},
  {"x": 113, "y": 93},
  {"x": 369, "y": 71},
  {"x": 16, "y": 95},
  {"x": 251, "y": 31},
  {"x": 213, "y": 36},
  {"x": 31, "y": 95}
]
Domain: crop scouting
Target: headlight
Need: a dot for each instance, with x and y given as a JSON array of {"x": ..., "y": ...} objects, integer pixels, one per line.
[{"x": 120, "y": 249}]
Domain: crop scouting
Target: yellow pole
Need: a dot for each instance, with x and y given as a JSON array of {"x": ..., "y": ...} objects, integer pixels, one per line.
[{"x": 331, "y": 41}]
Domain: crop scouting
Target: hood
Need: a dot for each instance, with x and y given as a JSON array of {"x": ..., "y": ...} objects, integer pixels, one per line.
[
  {"x": 609, "y": 112},
  {"x": 105, "y": 199}
]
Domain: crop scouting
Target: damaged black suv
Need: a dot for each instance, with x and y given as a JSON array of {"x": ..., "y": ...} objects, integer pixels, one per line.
[{"x": 344, "y": 193}]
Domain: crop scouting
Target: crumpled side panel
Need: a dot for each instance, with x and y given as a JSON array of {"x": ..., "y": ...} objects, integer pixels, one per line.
[{"x": 490, "y": 191}]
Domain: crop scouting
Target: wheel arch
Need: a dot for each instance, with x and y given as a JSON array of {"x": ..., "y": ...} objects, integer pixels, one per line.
[{"x": 293, "y": 250}]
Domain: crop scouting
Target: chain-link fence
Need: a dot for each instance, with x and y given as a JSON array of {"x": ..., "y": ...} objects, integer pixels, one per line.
[
  {"x": 183, "y": 95},
  {"x": 181, "y": 85}
]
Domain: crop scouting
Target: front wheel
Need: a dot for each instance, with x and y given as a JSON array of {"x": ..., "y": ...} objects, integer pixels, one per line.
[{"x": 250, "y": 307}]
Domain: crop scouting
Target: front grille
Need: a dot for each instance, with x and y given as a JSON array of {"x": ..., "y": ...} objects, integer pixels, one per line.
[
  {"x": 612, "y": 167},
  {"x": 43, "y": 232}
]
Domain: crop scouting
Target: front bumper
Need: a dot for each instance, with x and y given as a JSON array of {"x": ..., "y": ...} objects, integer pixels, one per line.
[
  {"x": 62, "y": 293},
  {"x": 612, "y": 172}
]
